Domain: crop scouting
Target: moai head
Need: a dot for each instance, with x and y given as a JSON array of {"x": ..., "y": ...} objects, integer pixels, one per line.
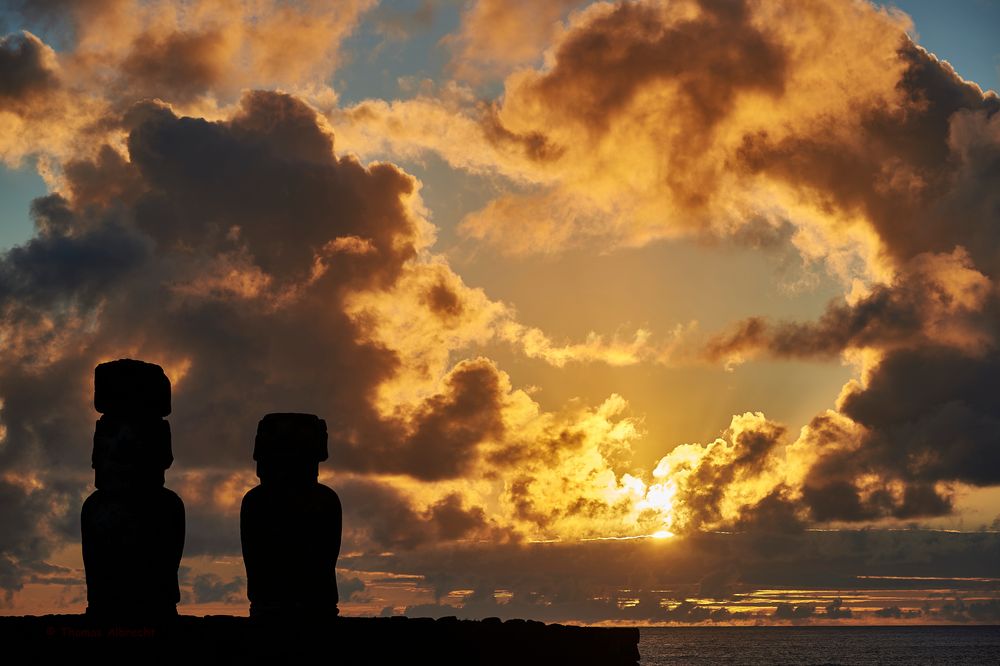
[
  {"x": 131, "y": 439},
  {"x": 289, "y": 448}
]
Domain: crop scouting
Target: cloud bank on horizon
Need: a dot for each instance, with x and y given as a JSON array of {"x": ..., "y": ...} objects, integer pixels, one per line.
[{"x": 216, "y": 209}]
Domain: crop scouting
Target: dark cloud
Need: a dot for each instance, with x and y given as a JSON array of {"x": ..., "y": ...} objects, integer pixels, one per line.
[
  {"x": 602, "y": 66},
  {"x": 216, "y": 249},
  {"x": 30, "y": 522},
  {"x": 349, "y": 587},
  {"x": 720, "y": 584},
  {"x": 57, "y": 269},
  {"x": 177, "y": 66},
  {"x": 378, "y": 517},
  {"x": 271, "y": 174},
  {"x": 209, "y": 588},
  {"x": 924, "y": 173},
  {"x": 895, "y": 612},
  {"x": 106, "y": 182},
  {"x": 931, "y": 413},
  {"x": 787, "y": 611},
  {"x": 926, "y": 421},
  {"x": 453, "y": 521},
  {"x": 544, "y": 450},
  {"x": 960, "y": 610},
  {"x": 880, "y": 319},
  {"x": 925, "y": 305},
  {"x": 690, "y": 579},
  {"x": 599, "y": 70},
  {"x": 24, "y": 69},
  {"x": 892, "y": 476},
  {"x": 444, "y": 301},
  {"x": 776, "y": 513},
  {"x": 629, "y": 607},
  {"x": 450, "y": 425},
  {"x": 707, "y": 480},
  {"x": 535, "y": 146},
  {"x": 836, "y": 610}
]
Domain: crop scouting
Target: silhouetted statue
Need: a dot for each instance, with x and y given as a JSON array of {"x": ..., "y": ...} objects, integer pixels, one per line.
[
  {"x": 290, "y": 524},
  {"x": 133, "y": 527}
]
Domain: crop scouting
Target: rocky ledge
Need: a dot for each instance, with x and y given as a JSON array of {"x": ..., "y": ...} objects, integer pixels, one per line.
[{"x": 345, "y": 640}]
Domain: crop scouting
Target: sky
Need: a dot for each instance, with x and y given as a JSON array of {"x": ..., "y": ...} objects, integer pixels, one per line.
[{"x": 642, "y": 312}]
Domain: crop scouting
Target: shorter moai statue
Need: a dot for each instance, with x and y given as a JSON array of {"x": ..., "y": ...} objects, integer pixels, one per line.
[
  {"x": 132, "y": 527},
  {"x": 290, "y": 525}
]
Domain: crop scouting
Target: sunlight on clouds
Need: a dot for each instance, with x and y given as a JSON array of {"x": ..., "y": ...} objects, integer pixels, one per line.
[
  {"x": 427, "y": 315},
  {"x": 651, "y": 163},
  {"x": 535, "y": 344}
]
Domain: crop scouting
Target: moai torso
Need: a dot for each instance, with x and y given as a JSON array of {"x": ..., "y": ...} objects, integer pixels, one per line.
[
  {"x": 132, "y": 527},
  {"x": 290, "y": 525}
]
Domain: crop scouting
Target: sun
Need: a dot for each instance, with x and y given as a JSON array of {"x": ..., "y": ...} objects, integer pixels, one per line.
[{"x": 660, "y": 497}]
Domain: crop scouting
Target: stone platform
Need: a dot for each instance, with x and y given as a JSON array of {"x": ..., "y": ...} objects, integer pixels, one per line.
[{"x": 189, "y": 640}]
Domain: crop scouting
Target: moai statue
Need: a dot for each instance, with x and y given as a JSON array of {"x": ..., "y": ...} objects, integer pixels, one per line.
[
  {"x": 133, "y": 527},
  {"x": 290, "y": 524}
]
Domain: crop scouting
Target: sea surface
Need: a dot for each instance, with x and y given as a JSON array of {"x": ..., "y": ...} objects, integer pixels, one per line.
[{"x": 820, "y": 645}]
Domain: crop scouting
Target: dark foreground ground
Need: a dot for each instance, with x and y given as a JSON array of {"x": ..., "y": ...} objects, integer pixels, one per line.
[{"x": 78, "y": 639}]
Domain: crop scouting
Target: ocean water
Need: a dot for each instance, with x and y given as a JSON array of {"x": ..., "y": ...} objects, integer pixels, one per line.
[{"x": 820, "y": 645}]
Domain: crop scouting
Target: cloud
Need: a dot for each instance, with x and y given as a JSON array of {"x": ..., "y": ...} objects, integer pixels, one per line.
[
  {"x": 27, "y": 68},
  {"x": 443, "y": 432},
  {"x": 615, "y": 352},
  {"x": 209, "y": 588},
  {"x": 31, "y": 514},
  {"x": 787, "y": 611},
  {"x": 206, "y": 48},
  {"x": 927, "y": 418},
  {"x": 60, "y": 105},
  {"x": 179, "y": 65},
  {"x": 380, "y": 516},
  {"x": 716, "y": 484},
  {"x": 642, "y": 141},
  {"x": 494, "y": 37},
  {"x": 890, "y": 181},
  {"x": 267, "y": 273},
  {"x": 224, "y": 259},
  {"x": 938, "y": 299},
  {"x": 583, "y": 581},
  {"x": 349, "y": 587}
]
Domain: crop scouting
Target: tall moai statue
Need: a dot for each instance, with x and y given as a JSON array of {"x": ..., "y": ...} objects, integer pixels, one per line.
[
  {"x": 133, "y": 527},
  {"x": 290, "y": 525}
]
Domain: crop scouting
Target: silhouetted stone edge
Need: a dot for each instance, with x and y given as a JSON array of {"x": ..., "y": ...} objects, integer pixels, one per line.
[{"x": 344, "y": 640}]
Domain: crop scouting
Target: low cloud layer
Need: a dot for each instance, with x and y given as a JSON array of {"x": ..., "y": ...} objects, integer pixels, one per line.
[{"x": 693, "y": 579}]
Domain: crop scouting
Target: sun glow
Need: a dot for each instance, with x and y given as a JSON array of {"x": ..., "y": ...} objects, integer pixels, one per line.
[{"x": 659, "y": 497}]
